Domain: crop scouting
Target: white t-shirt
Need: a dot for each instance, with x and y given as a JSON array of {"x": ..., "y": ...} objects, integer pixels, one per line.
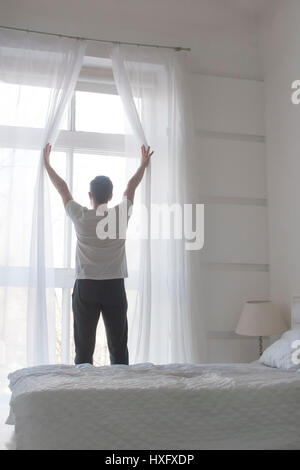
[{"x": 98, "y": 258}]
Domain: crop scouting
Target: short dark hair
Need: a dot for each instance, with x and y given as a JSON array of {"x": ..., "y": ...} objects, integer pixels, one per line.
[{"x": 101, "y": 188}]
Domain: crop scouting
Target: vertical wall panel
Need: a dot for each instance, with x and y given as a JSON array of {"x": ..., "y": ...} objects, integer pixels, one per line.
[{"x": 230, "y": 176}]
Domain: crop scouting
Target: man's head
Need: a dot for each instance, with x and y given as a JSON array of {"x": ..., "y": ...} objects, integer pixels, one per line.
[{"x": 101, "y": 190}]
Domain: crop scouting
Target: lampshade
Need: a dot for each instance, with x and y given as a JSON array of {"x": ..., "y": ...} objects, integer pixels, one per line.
[{"x": 260, "y": 318}]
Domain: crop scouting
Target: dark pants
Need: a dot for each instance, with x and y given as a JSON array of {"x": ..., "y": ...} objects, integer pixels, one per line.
[{"x": 89, "y": 298}]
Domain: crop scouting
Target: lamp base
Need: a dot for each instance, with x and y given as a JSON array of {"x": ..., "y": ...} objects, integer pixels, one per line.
[{"x": 260, "y": 345}]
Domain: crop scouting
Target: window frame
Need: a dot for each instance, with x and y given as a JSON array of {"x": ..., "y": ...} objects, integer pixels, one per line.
[{"x": 70, "y": 142}]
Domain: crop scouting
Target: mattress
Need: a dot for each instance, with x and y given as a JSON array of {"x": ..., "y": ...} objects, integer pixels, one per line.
[{"x": 146, "y": 406}]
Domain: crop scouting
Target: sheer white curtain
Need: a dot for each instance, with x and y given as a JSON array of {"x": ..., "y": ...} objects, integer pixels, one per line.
[
  {"x": 37, "y": 77},
  {"x": 152, "y": 85}
]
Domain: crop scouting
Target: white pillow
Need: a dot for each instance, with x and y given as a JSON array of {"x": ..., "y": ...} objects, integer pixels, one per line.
[
  {"x": 284, "y": 353},
  {"x": 291, "y": 335}
]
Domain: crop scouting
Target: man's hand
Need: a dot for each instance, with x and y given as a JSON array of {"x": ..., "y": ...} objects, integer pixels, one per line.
[
  {"x": 138, "y": 176},
  {"x": 146, "y": 155},
  {"x": 47, "y": 151}
]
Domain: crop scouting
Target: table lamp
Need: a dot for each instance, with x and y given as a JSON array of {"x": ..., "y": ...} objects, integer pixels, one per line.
[{"x": 260, "y": 318}]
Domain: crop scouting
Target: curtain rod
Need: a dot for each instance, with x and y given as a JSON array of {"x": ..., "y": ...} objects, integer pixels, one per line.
[{"x": 97, "y": 40}]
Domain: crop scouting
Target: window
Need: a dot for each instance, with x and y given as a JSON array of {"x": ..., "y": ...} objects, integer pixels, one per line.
[{"x": 91, "y": 143}]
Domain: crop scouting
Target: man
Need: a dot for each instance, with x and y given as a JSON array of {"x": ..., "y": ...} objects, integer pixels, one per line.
[{"x": 100, "y": 264}]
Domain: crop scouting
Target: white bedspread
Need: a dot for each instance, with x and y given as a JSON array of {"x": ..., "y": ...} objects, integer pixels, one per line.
[{"x": 234, "y": 406}]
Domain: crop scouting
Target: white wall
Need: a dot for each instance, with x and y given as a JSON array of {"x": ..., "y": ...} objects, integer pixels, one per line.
[
  {"x": 280, "y": 45},
  {"x": 222, "y": 34},
  {"x": 231, "y": 180},
  {"x": 229, "y": 171}
]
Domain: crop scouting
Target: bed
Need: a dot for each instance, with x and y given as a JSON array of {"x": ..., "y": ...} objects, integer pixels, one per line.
[{"x": 146, "y": 406}]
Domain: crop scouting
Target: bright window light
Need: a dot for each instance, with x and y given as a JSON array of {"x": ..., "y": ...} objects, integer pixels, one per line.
[
  {"x": 14, "y": 244},
  {"x": 99, "y": 112},
  {"x": 23, "y": 98}
]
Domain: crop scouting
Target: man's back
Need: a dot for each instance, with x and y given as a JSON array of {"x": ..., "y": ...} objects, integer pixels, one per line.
[{"x": 98, "y": 258}]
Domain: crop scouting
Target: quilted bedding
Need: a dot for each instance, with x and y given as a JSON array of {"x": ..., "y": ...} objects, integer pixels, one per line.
[{"x": 145, "y": 406}]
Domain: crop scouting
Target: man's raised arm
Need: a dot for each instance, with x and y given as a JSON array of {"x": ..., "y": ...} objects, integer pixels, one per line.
[
  {"x": 57, "y": 181},
  {"x": 138, "y": 176}
]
